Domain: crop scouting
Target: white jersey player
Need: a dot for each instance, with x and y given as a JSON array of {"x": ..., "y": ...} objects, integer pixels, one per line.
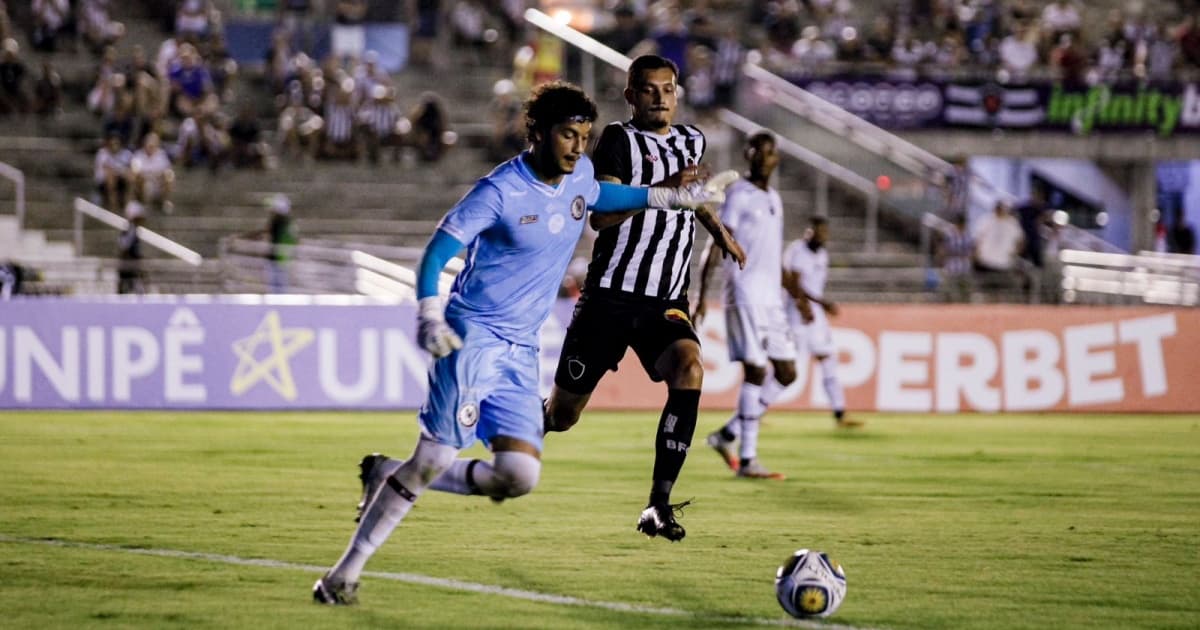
[
  {"x": 805, "y": 271},
  {"x": 755, "y": 322}
]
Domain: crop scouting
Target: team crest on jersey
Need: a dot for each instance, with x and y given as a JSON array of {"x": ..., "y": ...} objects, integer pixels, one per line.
[
  {"x": 578, "y": 205},
  {"x": 468, "y": 415},
  {"x": 676, "y": 315}
]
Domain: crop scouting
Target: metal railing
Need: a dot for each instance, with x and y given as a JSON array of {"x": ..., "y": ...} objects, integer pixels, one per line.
[
  {"x": 17, "y": 177},
  {"x": 1148, "y": 277},
  {"x": 824, "y": 167},
  {"x": 86, "y": 208}
]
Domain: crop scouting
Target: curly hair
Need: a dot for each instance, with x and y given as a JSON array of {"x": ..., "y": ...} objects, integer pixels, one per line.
[{"x": 556, "y": 102}]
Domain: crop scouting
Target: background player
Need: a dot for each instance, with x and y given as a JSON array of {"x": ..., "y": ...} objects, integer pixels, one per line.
[
  {"x": 805, "y": 271},
  {"x": 755, "y": 323},
  {"x": 522, "y": 222},
  {"x": 635, "y": 294}
]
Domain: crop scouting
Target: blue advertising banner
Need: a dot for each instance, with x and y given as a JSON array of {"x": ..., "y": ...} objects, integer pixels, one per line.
[{"x": 1162, "y": 109}]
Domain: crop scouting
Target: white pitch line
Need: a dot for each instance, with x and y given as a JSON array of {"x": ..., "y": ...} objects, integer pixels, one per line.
[{"x": 426, "y": 580}]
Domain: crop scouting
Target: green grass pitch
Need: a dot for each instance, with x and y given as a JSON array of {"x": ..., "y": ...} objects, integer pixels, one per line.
[{"x": 961, "y": 521}]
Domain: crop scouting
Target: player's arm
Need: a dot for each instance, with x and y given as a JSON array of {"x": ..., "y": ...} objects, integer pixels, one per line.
[
  {"x": 721, "y": 236},
  {"x": 599, "y": 221},
  {"x": 791, "y": 284},
  {"x": 711, "y": 259},
  {"x": 611, "y": 159},
  {"x": 619, "y": 199}
]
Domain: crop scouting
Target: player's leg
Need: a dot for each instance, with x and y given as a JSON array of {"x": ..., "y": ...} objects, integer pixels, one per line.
[
  {"x": 745, "y": 347},
  {"x": 596, "y": 340},
  {"x": 669, "y": 350},
  {"x": 821, "y": 344},
  {"x": 448, "y": 422}
]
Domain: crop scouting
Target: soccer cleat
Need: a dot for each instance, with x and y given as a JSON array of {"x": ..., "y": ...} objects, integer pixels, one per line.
[
  {"x": 847, "y": 423},
  {"x": 659, "y": 520},
  {"x": 331, "y": 593},
  {"x": 371, "y": 473},
  {"x": 755, "y": 470},
  {"x": 724, "y": 448}
]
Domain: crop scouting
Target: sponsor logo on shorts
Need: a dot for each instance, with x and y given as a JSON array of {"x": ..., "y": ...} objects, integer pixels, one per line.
[
  {"x": 468, "y": 415},
  {"x": 529, "y": 218},
  {"x": 576, "y": 368},
  {"x": 676, "y": 315},
  {"x": 577, "y": 207}
]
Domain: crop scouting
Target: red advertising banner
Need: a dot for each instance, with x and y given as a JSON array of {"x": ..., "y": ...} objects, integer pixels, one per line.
[{"x": 987, "y": 358}]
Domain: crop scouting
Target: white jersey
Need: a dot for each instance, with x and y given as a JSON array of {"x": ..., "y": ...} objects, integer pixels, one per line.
[
  {"x": 755, "y": 218},
  {"x": 813, "y": 267}
]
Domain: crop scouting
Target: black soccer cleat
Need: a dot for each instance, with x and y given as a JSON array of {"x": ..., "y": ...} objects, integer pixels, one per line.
[
  {"x": 370, "y": 474},
  {"x": 659, "y": 520},
  {"x": 331, "y": 593}
]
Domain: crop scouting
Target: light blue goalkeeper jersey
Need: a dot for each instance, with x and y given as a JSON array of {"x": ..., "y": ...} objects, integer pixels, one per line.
[{"x": 520, "y": 234}]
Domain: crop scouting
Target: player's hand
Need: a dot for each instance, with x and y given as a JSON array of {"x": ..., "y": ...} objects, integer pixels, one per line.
[
  {"x": 806, "y": 313},
  {"x": 699, "y": 312},
  {"x": 433, "y": 333},
  {"x": 831, "y": 308},
  {"x": 734, "y": 250}
]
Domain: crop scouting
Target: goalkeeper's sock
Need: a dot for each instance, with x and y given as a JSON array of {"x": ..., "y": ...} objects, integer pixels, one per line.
[
  {"x": 390, "y": 505},
  {"x": 675, "y": 429}
]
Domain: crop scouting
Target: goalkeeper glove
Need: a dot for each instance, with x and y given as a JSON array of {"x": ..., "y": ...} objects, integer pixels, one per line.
[
  {"x": 708, "y": 192},
  {"x": 433, "y": 333}
]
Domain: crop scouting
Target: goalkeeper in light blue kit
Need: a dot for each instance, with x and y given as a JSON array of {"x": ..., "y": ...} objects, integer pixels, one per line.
[{"x": 520, "y": 225}]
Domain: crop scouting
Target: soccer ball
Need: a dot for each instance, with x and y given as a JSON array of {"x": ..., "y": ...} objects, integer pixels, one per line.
[{"x": 809, "y": 584}]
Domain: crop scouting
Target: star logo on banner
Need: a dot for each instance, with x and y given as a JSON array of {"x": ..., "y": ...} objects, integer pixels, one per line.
[{"x": 282, "y": 344}]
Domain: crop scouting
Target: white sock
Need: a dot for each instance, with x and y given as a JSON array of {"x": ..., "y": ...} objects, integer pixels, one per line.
[
  {"x": 747, "y": 405},
  {"x": 454, "y": 480},
  {"x": 771, "y": 389},
  {"x": 749, "y": 445},
  {"x": 833, "y": 387},
  {"x": 387, "y": 508}
]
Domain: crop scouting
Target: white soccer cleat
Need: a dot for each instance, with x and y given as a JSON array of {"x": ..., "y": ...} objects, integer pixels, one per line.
[
  {"x": 755, "y": 470},
  {"x": 725, "y": 449}
]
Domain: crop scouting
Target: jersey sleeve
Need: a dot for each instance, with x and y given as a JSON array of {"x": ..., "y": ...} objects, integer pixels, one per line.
[
  {"x": 479, "y": 210},
  {"x": 731, "y": 211},
  {"x": 611, "y": 155},
  {"x": 791, "y": 255},
  {"x": 593, "y": 192}
]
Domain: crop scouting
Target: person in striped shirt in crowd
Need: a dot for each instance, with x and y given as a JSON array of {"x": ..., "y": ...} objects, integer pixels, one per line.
[
  {"x": 636, "y": 291},
  {"x": 379, "y": 120}
]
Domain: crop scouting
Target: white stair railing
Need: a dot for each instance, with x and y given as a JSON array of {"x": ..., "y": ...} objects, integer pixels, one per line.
[{"x": 86, "y": 208}]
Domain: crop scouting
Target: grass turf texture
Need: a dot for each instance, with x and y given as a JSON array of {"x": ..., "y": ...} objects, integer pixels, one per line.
[{"x": 941, "y": 522}]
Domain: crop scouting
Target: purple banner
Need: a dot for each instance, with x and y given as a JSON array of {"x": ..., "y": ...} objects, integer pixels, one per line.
[
  {"x": 62, "y": 353},
  {"x": 1166, "y": 110}
]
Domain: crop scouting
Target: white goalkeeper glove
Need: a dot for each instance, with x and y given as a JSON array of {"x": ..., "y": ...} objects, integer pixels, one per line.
[
  {"x": 433, "y": 333},
  {"x": 709, "y": 192}
]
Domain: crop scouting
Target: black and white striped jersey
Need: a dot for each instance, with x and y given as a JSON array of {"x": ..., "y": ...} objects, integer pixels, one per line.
[{"x": 648, "y": 254}]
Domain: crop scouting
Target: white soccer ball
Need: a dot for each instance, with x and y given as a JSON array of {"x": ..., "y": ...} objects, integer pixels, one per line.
[{"x": 809, "y": 584}]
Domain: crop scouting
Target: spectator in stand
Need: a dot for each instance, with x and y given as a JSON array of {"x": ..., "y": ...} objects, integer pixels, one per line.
[
  {"x": 111, "y": 172},
  {"x": 223, "y": 67},
  {"x": 627, "y": 31},
  {"x": 954, "y": 252},
  {"x": 1031, "y": 215},
  {"x": 348, "y": 37},
  {"x": 671, "y": 38},
  {"x": 281, "y": 235},
  {"x": 101, "y": 99},
  {"x": 339, "y": 137},
  {"x": 426, "y": 16},
  {"x": 130, "y": 275},
  {"x": 13, "y": 99},
  {"x": 1059, "y": 18},
  {"x": 192, "y": 21},
  {"x": 380, "y": 118},
  {"x": 153, "y": 177},
  {"x": 1018, "y": 53},
  {"x": 99, "y": 30},
  {"x": 122, "y": 120},
  {"x": 1069, "y": 61},
  {"x": 246, "y": 147},
  {"x": 508, "y": 122},
  {"x": 299, "y": 126},
  {"x": 295, "y": 17},
  {"x": 998, "y": 242},
  {"x": 468, "y": 29},
  {"x": 368, "y": 75},
  {"x": 47, "y": 91},
  {"x": 1187, "y": 36},
  {"x": 201, "y": 140},
  {"x": 431, "y": 133},
  {"x": 190, "y": 81},
  {"x": 727, "y": 65},
  {"x": 49, "y": 18}
]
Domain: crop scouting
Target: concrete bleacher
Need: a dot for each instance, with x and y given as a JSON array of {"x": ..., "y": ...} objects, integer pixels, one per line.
[{"x": 391, "y": 204}]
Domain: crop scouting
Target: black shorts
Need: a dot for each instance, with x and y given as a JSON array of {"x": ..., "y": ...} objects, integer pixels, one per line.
[{"x": 605, "y": 324}]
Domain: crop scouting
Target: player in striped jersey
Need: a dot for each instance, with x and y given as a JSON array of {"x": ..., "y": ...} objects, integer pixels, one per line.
[{"x": 636, "y": 289}]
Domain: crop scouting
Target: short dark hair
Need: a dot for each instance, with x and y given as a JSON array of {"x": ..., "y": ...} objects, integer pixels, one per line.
[
  {"x": 759, "y": 138},
  {"x": 648, "y": 62},
  {"x": 555, "y": 102},
  {"x": 817, "y": 220}
]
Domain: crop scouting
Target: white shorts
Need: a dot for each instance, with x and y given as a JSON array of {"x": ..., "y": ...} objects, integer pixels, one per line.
[
  {"x": 757, "y": 333},
  {"x": 815, "y": 337}
]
